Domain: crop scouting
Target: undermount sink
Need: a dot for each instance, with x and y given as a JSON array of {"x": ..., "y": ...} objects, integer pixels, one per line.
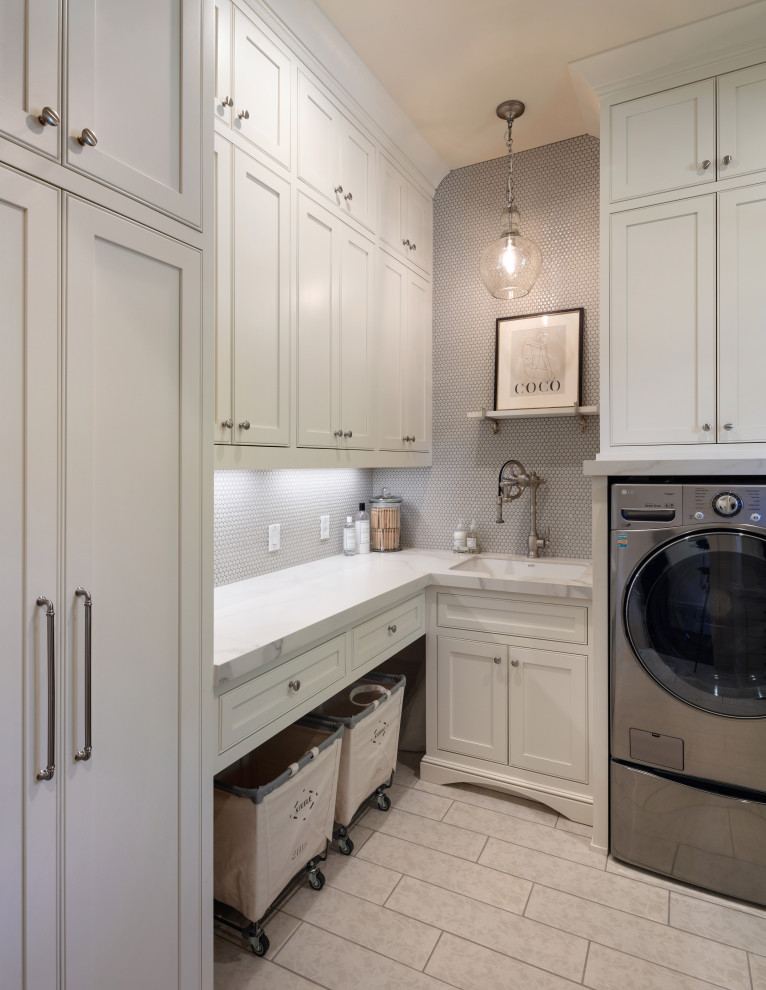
[{"x": 504, "y": 567}]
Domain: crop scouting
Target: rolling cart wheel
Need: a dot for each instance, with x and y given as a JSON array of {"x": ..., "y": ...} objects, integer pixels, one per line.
[
  {"x": 260, "y": 944},
  {"x": 316, "y": 879},
  {"x": 384, "y": 802},
  {"x": 345, "y": 846}
]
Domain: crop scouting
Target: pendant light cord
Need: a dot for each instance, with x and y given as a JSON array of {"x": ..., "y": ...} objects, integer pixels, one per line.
[{"x": 509, "y": 144}]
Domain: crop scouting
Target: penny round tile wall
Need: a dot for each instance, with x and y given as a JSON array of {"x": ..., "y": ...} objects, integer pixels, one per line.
[{"x": 557, "y": 190}]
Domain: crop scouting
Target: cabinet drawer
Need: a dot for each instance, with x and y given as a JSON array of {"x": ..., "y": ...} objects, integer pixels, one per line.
[
  {"x": 389, "y": 629},
  {"x": 506, "y": 617},
  {"x": 251, "y": 706}
]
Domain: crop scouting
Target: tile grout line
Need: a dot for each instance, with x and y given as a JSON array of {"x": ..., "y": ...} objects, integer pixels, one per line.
[
  {"x": 585, "y": 964},
  {"x": 430, "y": 954},
  {"x": 446, "y": 810}
]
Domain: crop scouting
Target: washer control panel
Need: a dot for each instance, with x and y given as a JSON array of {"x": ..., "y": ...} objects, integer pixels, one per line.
[
  {"x": 656, "y": 506},
  {"x": 727, "y": 504},
  {"x": 714, "y": 505}
]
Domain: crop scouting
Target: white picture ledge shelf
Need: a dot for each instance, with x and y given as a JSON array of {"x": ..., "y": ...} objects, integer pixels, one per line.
[{"x": 496, "y": 415}]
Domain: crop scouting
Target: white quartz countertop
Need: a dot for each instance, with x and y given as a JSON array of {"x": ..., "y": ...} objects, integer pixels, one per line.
[{"x": 261, "y": 621}]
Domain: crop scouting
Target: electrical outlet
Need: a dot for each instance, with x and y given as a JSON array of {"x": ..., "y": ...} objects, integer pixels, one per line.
[
  {"x": 274, "y": 537},
  {"x": 324, "y": 527}
]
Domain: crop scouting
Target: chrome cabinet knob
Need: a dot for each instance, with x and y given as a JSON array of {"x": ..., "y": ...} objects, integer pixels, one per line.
[
  {"x": 413, "y": 438},
  {"x": 348, "y": 434},
  {"x": 338, "y": 190},
  {"x": 406, "y": 242},
  {"x": 295, "y": 685},
  {"x": 728, "y": 426},
  {"x": 727, "y": 160},
  {"x": 413, "y": 247},
  {"x": 348, "y": 197},
  {"x": 392, "y": 628},
  {"x": 245, "y": 424},
  {"x": 50, "y": 117},
  {"x": 227, "y": 102},
  {"x": 337, "y": 433},
  {"x": 514, "y": 663},
  {"x": 87, "y": 137},
  {"x": 244, "y": 115},
  {"x": 227, "y": 424},
  {"x": 706, "y": 164},
  {"x": 706, "y": 427},
  {"x": 406, "y": 439},
  {"x": 497, "y": 659}
]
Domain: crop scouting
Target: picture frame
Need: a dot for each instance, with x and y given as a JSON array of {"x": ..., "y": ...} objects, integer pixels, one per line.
[{"x": 538, "y": 360}]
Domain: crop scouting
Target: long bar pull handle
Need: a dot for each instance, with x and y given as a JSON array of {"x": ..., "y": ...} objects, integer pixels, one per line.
[
  {"x": 85, "y": 753},
  {"x": 47, "y": 773}
]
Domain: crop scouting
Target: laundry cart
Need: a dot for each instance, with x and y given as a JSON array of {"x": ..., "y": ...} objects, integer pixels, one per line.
[
  {"x": 273, "y": 822},
  {"x": 371, "y": 712}
]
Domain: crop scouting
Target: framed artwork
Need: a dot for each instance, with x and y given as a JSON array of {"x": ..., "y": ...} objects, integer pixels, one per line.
[{"x": 538, "y": 360}]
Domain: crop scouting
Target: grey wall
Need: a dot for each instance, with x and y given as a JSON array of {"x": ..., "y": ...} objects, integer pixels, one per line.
[{"x": 557, "y": 190}]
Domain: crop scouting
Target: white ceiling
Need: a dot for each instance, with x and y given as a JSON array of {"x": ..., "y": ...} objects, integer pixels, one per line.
[{"x": 448, "y": 63}]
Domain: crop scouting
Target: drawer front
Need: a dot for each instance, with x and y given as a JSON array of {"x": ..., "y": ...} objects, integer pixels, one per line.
[
  {"x": 251, "y": 706},
  {"x": 386, "y": 630},
  {"x": 505, "y": 617}
]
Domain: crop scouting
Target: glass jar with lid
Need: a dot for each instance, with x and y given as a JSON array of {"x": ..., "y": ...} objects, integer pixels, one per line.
[{"x": 385, "y": 522}]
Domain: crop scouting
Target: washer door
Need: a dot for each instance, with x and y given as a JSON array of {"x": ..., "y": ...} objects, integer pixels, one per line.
[{"x": 695, "y": 616}]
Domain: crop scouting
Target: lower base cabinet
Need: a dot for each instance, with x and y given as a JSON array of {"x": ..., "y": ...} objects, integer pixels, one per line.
[{"x": 508, "y": 712}]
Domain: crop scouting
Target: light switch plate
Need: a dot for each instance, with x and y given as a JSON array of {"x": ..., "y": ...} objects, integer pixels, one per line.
[
  {"x": 274, "y": 537},
  {"x": 324, "y": 527}
]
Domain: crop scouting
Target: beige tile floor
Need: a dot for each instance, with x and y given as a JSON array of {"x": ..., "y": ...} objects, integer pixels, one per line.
[{"x": 461, "y": 887}]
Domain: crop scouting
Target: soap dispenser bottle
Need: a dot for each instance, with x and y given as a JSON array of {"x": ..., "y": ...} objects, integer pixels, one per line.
[
  {"x": 362, "y": 525},
  {"x": 349, "y": 537},
  {"x": 459, "y": 538},
  {"x": 472, "y": 538}
]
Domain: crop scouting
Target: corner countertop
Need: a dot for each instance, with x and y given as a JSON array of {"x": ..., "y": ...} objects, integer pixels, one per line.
[{"x": 265, "y": 620}]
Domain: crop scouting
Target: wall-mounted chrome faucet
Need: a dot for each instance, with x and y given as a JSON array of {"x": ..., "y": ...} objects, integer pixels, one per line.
[{"x": 512, "y": 482}]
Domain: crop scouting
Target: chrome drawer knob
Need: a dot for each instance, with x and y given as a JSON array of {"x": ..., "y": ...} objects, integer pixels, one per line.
[
  {"x": 87, "y": 137},
  {"x": 295, "y": 685},
  {"x": 337, "y": 433},
  {"x": 514, "y": 663},
  {"x": 227, "y": 102},
  {"x": 727, "y": 160},
  {"x": 497, "y": 659},
  {"x": 728, "y": 426},
  {"x": 348, "y": 197},
  {"x": 392, "y": 628},
  {"x": 406, "y": 242},
  {"x": 227, "y": 424},
  {"x": 706, "y": 164},
  {"x": 50, "y": 117},
  {"x": 244, "y": 115},
  {"x": 348, "y": 434},
  {"x": 338, "y": 190},
  {"x": 706, "y": 427},
  {"x": 413, "y": 247},
  {"x": 245, "y": 424}
]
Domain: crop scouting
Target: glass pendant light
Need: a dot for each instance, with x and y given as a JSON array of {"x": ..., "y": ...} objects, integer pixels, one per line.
[{"x": 510, "y": 265}]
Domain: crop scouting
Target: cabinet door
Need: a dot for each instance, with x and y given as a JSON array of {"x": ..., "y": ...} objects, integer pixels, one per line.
[
  {"x": 416, "y": 365},
  {"x": 472, "y": 699},
  {"x": 357, "y": 326},
  {"x": 390, "y": 386},
  {"x": 318, "y": 140},
  {"x": 223, "y": 76},
  {"x": 663, "y": 316},
  {"x": 393, "y": 205},
  {"x": 742, "y": 121},
  {"x": 134, "y": 81},
  {"x": 262, "y": 87},
  {"x": 29, "y": 397},
  {"x": 660, "y": 142},
  {"x": 742, "y": 341},
  {"x": 260, "y": 305},
  {"x": 318, "y": 326},
  {"x": 223, "y": 426},
  {"x": 30, "y": 32},
  {"x": 417, "y": 229},
  {"x": 549, "y": 713},
  {"x": 357, "y": 174},
  {"x": 132, "y": 540}
]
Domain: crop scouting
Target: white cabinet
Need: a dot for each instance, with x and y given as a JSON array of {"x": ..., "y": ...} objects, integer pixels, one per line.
[
  {"x": 663, "y": 323},
  {"x": 253, "y": 83},
  {"x": 405, "y": 216},
  {"x": 252, "y": 300},
  {"x": 403, "y": 363},
  {"x": 334, "y": 156},
  {"x": 742, "y": 121},
  {"x": 335, "y": 323},
  {"x": 104, "y": 830},
  {"x": 472, "y": 699}
]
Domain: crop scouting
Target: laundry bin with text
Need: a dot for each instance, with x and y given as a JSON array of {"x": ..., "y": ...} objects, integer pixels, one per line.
[
  {"x": 371, "y": 713},
  {"x": 273, "y": 821}
]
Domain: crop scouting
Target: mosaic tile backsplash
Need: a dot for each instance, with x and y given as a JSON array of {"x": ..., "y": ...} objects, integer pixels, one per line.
[
  {"x": 557, "y": 190},
  {"x": 558, "y": 195}
]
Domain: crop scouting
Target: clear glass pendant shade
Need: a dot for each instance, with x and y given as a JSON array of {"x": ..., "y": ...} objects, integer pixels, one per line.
[{"x": 510, "y": 265}]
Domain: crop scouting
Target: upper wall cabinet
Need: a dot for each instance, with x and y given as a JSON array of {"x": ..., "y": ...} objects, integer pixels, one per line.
[
  {"x": 334, "y": 157},
  {"x": 133, "y": 89},
  {"x": 667, "y": 140},
  {"x": 253, "y": 83},
  {"x": 405, "y": 216}
]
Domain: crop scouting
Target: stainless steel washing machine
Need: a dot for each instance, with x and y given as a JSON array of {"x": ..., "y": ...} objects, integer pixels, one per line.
[{"x": 688, "y": 682}]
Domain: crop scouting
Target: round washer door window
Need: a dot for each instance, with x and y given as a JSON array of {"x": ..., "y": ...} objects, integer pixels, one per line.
[{"x": 695, "y": 617}]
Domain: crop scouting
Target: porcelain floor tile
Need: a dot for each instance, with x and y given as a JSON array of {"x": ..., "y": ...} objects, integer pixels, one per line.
[
  {"x": 418, "y": 802},
  {"x": 576, "y": 827},
  {"x": 407, "y": 769},
  {"x": 722, "y": 924},
  {"x": 338, "y": 964},
  {"x": 359, "y": 835},
  {"x": 465, "y": 843},
  {"x": 363, "y": 879},
  {"x": 475, "y": 967},
  {"x": 541, "y": 837},
  {"x": 504, "y": 804},
  {"x": 575, "y": 878},
  {"x": 608, "y": 969},
  {"x": 238, "y": 969},
  {"x": 364, "y": 923},
  {"x": 519, "y": 937},
  {"x": 478, "y": 882},
  {"x": 685, "y": 953},
  {"x": 757, "y": 971}
]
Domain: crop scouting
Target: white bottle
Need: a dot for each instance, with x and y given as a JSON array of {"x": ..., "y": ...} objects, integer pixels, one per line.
[
  {"x": 472, "y": 538},
  {"x": 349, "y": 537},
  {"x": 459, "y": 538},
  {"x": 362, "y": 526}
]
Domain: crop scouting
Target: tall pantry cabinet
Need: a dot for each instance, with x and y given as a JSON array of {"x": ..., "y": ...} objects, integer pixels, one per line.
[{"x": 102, "y": 598}]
